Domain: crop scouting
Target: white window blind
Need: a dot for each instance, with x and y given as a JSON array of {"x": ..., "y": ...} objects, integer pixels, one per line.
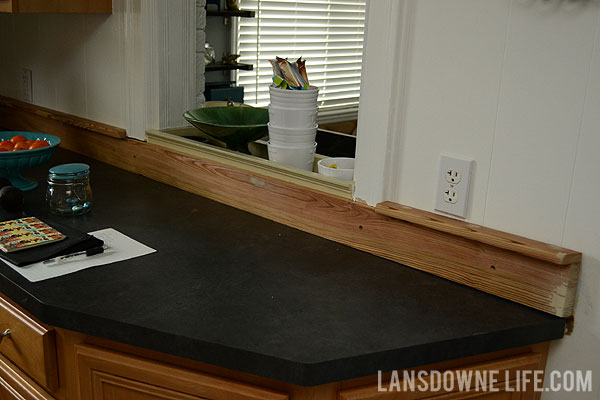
[{"x": 328, "y": 34}]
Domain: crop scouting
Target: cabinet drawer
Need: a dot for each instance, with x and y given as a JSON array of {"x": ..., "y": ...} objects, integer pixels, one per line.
[
  {"x": 105, "y": 375},
  {"x": 31, "y": 347},
  {"x": 14, "y": 385}
]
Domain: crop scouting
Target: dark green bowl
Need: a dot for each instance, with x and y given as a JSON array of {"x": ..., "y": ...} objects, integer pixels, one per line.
[{"x": 234, "y": 126}]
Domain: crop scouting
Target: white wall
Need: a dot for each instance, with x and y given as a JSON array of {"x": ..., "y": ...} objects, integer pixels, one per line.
[
  {"x": 135, "y": 68},
  {"x": 514, "y": 85},
  {"x": 77, "y": 62}
]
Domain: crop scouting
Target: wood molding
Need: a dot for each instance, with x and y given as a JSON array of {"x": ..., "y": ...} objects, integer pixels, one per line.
[
  {"x": 83, "y": 123},
  {"x": 17, "y": 385},
  {"x": 503, "y": 240},
  {"x": 533, "y": 282}
]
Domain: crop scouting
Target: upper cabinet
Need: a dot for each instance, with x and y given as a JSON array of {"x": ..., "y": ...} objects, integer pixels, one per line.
[{"x": 57, "y": 6}]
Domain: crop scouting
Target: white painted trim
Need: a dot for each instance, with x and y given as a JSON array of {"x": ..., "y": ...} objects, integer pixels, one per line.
[
  {"x": 132, "y": 51},
  {"x": 151, "y": 27},
  {"x": 385, "y": 70}
]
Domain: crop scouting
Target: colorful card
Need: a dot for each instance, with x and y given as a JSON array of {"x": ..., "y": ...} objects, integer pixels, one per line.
[{"x": 23, "y": 233}]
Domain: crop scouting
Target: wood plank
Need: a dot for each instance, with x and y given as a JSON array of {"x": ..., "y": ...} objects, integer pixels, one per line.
[
  {"x": 503, "y": 240},
  {"x": 174, "y": 140},
  {"x": 6, "y": 6},
  {"x": 63, "y": 6},
  {"x": 533, "y": 282},
  {"x": 65, "y": 118}
]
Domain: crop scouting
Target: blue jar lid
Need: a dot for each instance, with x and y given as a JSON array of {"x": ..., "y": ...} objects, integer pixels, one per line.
[{"x": 70, "y": 170}]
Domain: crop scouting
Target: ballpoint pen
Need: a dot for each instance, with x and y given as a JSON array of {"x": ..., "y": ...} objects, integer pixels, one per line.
[{"x": 87, "y": 253}]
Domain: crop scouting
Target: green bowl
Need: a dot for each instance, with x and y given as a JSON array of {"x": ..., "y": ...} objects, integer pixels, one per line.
[
  {"x": 234, "y": 126},
  {"x": 12, "y": 162}
]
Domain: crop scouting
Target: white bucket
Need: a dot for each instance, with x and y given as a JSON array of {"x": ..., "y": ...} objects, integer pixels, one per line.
[
  {"x": 292, "y": 117},
  {"x": 300, "y": 155},
  {"x": 278, "y": 135},
  {"x": 344, "y": 170}
]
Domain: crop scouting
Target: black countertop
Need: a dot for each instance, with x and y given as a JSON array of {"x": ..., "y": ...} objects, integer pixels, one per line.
[{"x": 235, "y": 290}]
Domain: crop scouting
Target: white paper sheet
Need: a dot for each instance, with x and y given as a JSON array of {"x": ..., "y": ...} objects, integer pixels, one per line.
[{"x": 119, "y": 247}]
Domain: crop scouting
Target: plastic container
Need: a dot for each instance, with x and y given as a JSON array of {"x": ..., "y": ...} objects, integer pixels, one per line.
[
  {"x": 294, "y": 98},
  {"x": 344, "y": 170},
  {"x": 292, "y": 117},
  {"x": 299, "y": 156},
  {"x": 282, "y": 136},
  {"x": 311, "y": 93},
  {"x": 69, "y": 191}
]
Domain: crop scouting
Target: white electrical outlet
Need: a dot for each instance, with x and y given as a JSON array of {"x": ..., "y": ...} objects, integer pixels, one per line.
[
  {"x": 450, "y": 195},
  {"x": 453, "y": 185}
]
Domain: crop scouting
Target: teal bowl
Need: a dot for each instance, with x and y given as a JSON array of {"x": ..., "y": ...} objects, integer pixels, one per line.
[
  {"x": 12, "y": 162},
  {"x": 233, "y": 126}
]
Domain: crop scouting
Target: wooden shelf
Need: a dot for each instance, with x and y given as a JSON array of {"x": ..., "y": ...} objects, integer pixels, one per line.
[
  {"x": 53, "y": 7},
  {"x": 226, "y": 13},
  {"x": 228, "y": 67}
]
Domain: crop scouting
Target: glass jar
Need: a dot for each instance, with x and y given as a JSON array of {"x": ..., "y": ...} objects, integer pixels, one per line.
[{"x": 69, "y": 191}]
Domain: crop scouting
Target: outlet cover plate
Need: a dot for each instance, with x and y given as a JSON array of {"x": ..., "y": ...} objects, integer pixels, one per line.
[{"x": 449, "y": 167}]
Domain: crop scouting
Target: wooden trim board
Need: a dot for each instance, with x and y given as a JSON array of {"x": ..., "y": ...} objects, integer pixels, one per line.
[
  {"x": 534, "y": 282},
  {"x": 83, "y": 123},
  {"x": 171, "y": 138},
  {"x": 503, "y": 240}
]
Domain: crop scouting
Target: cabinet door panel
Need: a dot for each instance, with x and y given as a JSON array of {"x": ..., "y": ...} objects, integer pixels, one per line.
[
  {"x": 113, "y": 387},
  {"x": 108, "y": 375}
]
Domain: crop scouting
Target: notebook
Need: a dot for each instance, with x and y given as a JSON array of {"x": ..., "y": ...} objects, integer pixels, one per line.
[
  {"x": 75, "y": 241},
  {"x": 24, "y": 233}
]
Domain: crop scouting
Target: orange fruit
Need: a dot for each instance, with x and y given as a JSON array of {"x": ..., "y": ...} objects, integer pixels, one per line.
[
  {"x": 21, "y": 146},
  {"x": 7, "y": 144},
  {"x": 18, "y": 138},
  {"x": 38, "y": 144}
]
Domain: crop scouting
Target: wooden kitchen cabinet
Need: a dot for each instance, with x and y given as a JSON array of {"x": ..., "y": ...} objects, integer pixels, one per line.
[
  {"x": 57, "y": 6},
  {"x": 30, "y": 346},
  {"x": 507, "y": 369},
  {"x": 108, "y": 375},
  {"x": 16, "y": 385},
  {"x": 45, "y": 363}
]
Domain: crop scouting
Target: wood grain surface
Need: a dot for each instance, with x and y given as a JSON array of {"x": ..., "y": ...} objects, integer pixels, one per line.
[
  {"x": 503, "y": 240},
  {"x": 21, "y": 108},
  {"x": 57, "y": 6},
  {"x": 31, "y": 346}
]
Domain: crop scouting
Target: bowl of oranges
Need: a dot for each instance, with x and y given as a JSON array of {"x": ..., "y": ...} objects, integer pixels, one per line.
[{"x": 22, "y": 150}]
